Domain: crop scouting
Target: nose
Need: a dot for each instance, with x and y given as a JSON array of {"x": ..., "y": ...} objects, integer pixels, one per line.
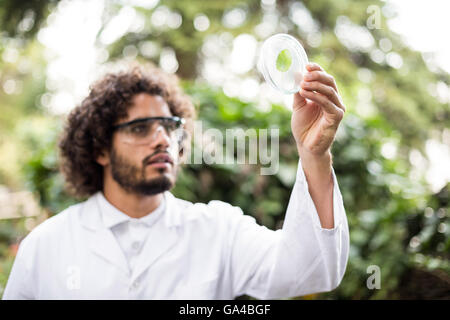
[{"x": 160, "y": 138}]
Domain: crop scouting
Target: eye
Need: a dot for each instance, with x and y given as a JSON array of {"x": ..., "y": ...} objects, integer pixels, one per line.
[
  {"x": 172, "y": 125},
  {"x": 139, "y": 129},
  {"x": 167, "y": 124}
]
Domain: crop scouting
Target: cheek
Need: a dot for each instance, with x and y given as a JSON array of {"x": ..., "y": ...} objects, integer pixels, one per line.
[
  {"x": 131, "y": 154},
  {"x": 174, "y": 152}
]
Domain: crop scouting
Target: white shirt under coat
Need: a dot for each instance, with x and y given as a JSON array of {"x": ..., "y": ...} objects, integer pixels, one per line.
[
  {"x": 130, "y": 233},
  {"x": 182, "y": 250}
]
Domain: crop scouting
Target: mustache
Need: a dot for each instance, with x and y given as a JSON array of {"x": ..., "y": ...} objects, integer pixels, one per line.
[{"x": 146, "y": 160}]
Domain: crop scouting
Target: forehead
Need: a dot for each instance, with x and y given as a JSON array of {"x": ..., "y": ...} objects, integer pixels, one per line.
[{"x": 145, "y": 105}]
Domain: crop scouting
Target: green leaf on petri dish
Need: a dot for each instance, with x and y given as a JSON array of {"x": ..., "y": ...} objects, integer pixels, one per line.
[{"x": 284, "y": 60}]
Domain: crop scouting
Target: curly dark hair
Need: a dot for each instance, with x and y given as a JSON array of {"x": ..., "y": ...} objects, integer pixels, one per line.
[{"x": 89, "y": 127}]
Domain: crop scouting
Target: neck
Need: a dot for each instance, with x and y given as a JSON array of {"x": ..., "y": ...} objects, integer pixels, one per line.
[{"x": 133, "y": 205}]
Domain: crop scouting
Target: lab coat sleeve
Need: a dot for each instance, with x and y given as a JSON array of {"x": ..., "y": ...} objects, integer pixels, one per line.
[
  {"x": 299, "y": 259},
  {"x": 20, "y": 281}
]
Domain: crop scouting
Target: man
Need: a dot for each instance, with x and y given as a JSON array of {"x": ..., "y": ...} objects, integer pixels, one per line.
[{"x": 132, "y": 239}]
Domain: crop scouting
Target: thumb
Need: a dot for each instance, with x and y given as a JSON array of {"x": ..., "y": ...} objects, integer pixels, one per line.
[{"x": 299, "y": 100}]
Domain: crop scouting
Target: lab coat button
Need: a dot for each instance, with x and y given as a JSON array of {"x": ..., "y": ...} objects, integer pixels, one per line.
[
  {"x": 135, "y": 245},
  {"x": 135, "y": 285}
]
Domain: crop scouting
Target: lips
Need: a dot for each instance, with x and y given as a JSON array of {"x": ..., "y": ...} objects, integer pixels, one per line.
[{"x": 160, "y": 158}]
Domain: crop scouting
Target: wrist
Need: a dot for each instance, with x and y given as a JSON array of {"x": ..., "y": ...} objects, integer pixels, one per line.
[
  {"x": 317, "y": 167},
  {"x": 322, "y": 159}
]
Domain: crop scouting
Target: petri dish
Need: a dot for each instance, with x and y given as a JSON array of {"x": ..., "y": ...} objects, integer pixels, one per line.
[{"x": 282, "y": 61}]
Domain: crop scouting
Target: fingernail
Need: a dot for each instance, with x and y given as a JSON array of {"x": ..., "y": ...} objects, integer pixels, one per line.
[{"x": 308, "y": 76}]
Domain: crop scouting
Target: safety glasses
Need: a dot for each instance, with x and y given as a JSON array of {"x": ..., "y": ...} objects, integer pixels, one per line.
[{"x": 145, "y": 130}]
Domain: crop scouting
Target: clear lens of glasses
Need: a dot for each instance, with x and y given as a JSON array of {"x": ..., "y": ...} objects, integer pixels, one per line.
[
  {"x": 145, "y": 132},
  {"x": 282, "y": 61}
]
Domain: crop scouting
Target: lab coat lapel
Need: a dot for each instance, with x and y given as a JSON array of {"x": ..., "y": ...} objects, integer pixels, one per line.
[
  {"x": 103, "y": 243},
  {"x": 163, "y": 236},
  {"x": 100, "y": 239}
]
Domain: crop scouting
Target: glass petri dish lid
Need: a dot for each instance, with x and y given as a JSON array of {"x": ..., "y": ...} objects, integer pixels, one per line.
[{"x": 282, "y": 61}]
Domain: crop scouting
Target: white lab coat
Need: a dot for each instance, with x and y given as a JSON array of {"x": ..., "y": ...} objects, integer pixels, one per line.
[{"x": 195, "y": 251}]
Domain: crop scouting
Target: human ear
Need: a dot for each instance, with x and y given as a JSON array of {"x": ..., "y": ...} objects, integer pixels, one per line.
[{"x": 103, "y": 159}]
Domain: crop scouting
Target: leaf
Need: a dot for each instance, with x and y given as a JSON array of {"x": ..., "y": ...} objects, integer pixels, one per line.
[{"x": 284, "y": 60}]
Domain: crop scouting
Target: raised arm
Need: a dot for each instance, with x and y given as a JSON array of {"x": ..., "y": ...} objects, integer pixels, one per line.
[{"x": 310, "y": 253}]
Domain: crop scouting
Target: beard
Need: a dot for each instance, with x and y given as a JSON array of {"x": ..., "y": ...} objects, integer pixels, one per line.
[{"x": 132, "y": 178}]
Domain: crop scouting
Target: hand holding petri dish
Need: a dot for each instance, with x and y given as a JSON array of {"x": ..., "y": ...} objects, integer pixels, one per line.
[{"x": 282, "y": 61}]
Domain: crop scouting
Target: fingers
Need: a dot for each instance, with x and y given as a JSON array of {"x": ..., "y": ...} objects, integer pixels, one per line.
[
  {"x": 325, "y": 90},
  {"x": 322, "y": 101},
  {"x": 316, "y": 73},
  {"x": 320, "y": 76},
  {"x": 313, "y": 67},
  {"x": 320, "y": 87},
  {"x": 316, "y": 79}
]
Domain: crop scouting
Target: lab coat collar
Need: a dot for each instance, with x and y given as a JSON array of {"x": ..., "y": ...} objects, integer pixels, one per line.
[
  {"x": 102, "y": 242},
  {"x": 91, "y": 217},
  {"x": 173, "y": 212},
  {"x": 112, "y": 216}
]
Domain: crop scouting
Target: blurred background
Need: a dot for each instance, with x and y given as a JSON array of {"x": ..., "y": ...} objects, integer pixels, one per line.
[{"x": 391, "y": 61}]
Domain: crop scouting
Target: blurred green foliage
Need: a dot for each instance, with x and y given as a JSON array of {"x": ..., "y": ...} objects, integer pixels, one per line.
[{"x": 395, "y": 220}]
